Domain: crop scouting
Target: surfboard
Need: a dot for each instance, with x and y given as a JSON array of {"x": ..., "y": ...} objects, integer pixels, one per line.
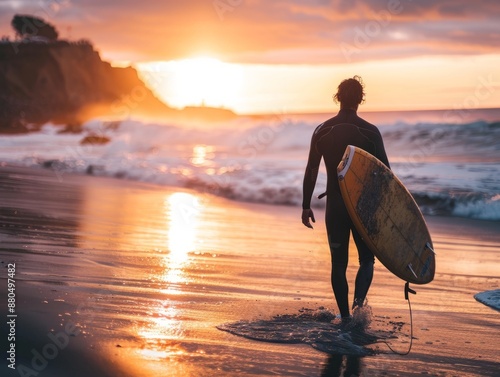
[{"x": 386, "y": 216}]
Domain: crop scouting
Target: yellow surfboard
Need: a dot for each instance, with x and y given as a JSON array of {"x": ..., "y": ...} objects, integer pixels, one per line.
[{"x": 387, "y": 217}]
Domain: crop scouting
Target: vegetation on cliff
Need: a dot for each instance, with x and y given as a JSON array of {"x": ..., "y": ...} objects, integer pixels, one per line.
[{"x": 27, "y": 26}]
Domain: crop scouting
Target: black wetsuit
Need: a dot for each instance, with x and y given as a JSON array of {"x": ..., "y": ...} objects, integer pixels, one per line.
[{"x": 330, "y": 139}]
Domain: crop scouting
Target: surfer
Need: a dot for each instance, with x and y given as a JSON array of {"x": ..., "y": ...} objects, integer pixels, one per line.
[{"x": 329, "y": 141}]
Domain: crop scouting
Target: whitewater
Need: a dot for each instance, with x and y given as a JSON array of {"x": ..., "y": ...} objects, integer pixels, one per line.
[{"x": 451, "y": 167}]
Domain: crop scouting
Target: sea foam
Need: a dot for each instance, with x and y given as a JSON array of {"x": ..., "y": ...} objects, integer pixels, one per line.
[{"x": 451, "y": 169}]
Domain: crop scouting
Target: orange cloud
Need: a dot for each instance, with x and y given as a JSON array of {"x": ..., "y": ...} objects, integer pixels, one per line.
[{"x": 298, "y": 31}]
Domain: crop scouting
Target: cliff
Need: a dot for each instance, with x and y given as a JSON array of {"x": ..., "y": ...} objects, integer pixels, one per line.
[{"x": 68, "y": 83}]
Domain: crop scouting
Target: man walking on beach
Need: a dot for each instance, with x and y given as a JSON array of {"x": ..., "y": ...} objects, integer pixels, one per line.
[{"x": 329, "y": 140}]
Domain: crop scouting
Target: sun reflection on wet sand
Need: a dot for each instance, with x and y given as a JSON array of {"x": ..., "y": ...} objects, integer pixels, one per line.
[
  {"x": 182, "y": 211},
  {"x": 161, "y": 335},
  {"x": 165, "y": 329}
]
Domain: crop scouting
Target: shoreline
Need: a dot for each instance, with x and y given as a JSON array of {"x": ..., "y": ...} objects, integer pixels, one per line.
[
  {"x": 439, "y": 219},
  {"x": 154, "y": 300}
]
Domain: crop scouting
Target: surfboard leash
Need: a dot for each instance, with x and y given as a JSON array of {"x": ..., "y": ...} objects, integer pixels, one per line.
[{"x": 407, "y": 298}]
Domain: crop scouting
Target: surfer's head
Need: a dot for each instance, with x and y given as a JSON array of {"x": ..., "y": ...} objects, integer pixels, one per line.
[{"x": 350, "y": 93}]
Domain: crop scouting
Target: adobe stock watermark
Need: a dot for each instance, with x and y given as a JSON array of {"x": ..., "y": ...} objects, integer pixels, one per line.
[
  {"x": 222, "y": 7},
  {"x": 372, "y": 29},
  {"x": 249, "y": 148},
  {"x": 122, "y": 108},
  {"x": 57, "y": 342},
  {"x": 262, "y": 138},
  {"x": 484, "y": 89}
]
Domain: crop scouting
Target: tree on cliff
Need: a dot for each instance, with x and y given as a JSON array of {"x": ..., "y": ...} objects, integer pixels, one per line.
[{"x": 30, "y": 26}]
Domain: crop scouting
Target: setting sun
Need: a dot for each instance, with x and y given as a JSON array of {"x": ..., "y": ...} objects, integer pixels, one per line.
[
  {"x": 194, "y": 82},
  {"x": 278, "y": 88}
]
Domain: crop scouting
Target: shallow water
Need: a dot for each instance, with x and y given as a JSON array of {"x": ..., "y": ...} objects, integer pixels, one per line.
[{"x": 319, "y": 328}]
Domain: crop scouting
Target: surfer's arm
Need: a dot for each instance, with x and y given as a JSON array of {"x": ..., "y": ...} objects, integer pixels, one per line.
[{"x": 310, "y": 175}]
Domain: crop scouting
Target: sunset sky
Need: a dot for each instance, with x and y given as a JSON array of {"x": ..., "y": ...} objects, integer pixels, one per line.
[{"x": 288, "y": 56}]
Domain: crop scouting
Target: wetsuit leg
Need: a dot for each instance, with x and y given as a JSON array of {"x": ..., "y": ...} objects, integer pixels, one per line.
[
  {"x": 338, "y": 228},
  {"x": 364, "y": 276}
]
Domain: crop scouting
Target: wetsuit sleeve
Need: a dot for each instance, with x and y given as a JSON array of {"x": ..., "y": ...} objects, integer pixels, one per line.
[
  {"x": 311, "y": 174},
  {"x": 381, "y": 155}
]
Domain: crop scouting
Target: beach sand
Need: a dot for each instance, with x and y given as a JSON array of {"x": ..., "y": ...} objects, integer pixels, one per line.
[{"x": 119, "y": 278}]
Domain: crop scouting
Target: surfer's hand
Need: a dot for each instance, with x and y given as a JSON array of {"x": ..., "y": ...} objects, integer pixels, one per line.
[{"x": 306, "y": 215}]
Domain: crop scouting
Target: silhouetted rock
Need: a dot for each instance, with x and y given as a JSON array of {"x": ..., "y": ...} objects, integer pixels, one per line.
[
  {"x": 66, "y": 83},
  {"x": 95, "y": 140}
]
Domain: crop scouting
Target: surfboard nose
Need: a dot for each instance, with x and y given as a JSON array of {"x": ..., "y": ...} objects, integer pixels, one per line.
[{"x": 345, "y": 162}]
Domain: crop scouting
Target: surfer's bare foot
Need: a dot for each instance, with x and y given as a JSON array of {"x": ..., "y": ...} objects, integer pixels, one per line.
[{"x": 345, "y": 323}]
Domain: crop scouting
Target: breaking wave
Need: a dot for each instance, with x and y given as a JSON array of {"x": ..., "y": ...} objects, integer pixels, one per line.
[{"x": 451, "y": 169}]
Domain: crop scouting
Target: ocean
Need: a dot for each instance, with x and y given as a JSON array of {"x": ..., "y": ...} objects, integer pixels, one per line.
[{"x": 449, "y": 160}]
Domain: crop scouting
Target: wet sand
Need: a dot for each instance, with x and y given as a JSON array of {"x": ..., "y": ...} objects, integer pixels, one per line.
[{"x": 132, "y": 279}]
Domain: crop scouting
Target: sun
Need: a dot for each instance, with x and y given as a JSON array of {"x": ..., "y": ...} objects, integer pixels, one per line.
[{"x": 199, "y": 81}]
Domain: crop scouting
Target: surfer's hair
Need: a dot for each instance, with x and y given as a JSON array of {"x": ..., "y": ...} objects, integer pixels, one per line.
[{"x": 350, "y": 92}]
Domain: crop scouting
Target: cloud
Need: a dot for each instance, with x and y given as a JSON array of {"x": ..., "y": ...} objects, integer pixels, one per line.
[{"x": 297, "y": 31}]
